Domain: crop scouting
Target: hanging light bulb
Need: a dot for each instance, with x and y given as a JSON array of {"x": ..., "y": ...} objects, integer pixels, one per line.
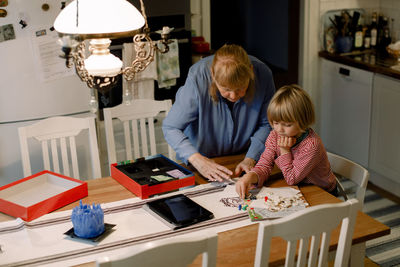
[{"x": 101, "y": 62}]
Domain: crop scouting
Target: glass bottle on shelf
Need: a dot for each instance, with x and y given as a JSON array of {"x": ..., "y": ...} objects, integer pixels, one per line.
[
  {"x": 367, "y": 38},
  {"x": 386, "y": 40},
  {"x": 358, "y": 36},
  {"x": 380, "y": 30},
  {"x": 393, "y": 33},
  {"x": 374, "y": 30},
  {"x": 383, "y": 24}
]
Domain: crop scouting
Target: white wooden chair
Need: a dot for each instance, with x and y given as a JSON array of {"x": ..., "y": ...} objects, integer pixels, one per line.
[
  {"x": 141, "y": 112},
  {"x": 346, "y": 168},
  {"x": 179, "y": 251},
  {"x": 56, "y": 131},
  {"x": 315, "y": 223}
]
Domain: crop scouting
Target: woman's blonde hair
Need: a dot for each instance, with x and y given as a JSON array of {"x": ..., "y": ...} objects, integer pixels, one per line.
[
  {"x": 231, "y": 68},
  {"x": 291, "y": 104}
]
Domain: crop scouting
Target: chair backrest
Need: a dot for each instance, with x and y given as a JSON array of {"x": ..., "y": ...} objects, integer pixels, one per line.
[
  {"x": 179, "y": 251},
  {"x": 352, "y": 171},
  {"x": 60, "y": 133},
  {"x": 139, "y": 114},
  {"x": 315, "y": 223}
]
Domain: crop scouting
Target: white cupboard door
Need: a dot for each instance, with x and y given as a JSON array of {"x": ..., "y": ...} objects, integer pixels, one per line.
[
  {"x": 385, "y": 128},
  {"x": 346, "y": 110}
]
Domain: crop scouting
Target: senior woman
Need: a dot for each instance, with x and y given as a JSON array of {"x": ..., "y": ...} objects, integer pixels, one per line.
[{"x": 221, "y": 110}]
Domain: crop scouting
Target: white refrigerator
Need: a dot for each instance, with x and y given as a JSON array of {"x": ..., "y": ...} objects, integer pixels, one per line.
[{"x": 34, "y": 82}]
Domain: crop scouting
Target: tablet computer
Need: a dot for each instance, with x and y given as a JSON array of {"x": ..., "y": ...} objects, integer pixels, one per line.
[{"x": 178, "y": 211}]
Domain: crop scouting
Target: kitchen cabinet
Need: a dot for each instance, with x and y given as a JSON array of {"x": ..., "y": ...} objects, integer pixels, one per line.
[
  {"x": 360, "y": 118},
  {"x": 384, "y": 156},
  {"x": 346, "y": 94}
]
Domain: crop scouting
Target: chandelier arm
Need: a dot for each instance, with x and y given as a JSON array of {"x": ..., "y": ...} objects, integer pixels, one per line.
[
  {"x": 79, "y": 60},
  {"x": 144, "y": 55}
]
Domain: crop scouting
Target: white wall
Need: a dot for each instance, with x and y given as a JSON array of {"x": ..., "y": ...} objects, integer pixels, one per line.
[
  {"x": 326, "y": 5},
  {"x": 391, "y": 8}
]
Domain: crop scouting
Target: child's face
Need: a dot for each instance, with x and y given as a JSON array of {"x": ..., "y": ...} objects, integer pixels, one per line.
[{"x": 289, "y": 129}]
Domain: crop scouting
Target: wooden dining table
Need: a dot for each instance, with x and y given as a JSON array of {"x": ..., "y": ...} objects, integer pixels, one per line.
[{"x": 237, "y": 247}]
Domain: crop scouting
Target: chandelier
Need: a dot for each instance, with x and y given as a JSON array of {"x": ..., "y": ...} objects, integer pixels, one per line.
[{"x": 99, "y": 21}]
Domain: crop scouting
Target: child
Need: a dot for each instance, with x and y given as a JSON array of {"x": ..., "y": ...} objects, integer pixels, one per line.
[{"x": 292, "y": 145}]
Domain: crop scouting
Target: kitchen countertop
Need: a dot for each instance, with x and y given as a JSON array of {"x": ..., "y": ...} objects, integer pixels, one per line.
[{"x": 367, "y": 60}]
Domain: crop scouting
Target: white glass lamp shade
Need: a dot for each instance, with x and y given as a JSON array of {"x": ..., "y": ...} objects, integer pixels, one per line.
[
  {"x": 103, "y": 65},
  {"x": 99, "y": 18},
  {"x": 101, "y": 62}
]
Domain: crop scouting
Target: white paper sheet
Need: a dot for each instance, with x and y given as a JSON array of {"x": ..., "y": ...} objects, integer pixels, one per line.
[{"x": 47, "y": 55}]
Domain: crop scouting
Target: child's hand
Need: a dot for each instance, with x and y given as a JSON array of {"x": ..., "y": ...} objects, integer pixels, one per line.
[
  {"x": 244, "y": 184},
  {"x": 245, "y": 166},
  {"x": 285, "y": 143}
]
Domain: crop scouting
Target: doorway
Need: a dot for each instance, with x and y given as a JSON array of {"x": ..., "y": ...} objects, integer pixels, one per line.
[{"x": 268, "y": 30}]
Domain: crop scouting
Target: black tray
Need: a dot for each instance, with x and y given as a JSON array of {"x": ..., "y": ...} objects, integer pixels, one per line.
[
  {"x": 142, "y": 169},
  {"x": 107, "y": 230}
]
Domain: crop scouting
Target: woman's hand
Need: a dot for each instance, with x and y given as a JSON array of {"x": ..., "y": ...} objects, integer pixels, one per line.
[
  {"x": 243, "y": 184},
  {"x": 285, "y": 143},
  {"x": 245, "y": 166},
  {"x": 209, "y": 169}
]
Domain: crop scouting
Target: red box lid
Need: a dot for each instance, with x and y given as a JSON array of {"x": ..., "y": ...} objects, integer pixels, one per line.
[{"x": 39, "y": 194}]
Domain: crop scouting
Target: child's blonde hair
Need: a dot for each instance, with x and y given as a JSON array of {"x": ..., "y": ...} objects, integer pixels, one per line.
[
  {"x": 231, "y": 68},
  {"x": 291, "y": 104}
]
